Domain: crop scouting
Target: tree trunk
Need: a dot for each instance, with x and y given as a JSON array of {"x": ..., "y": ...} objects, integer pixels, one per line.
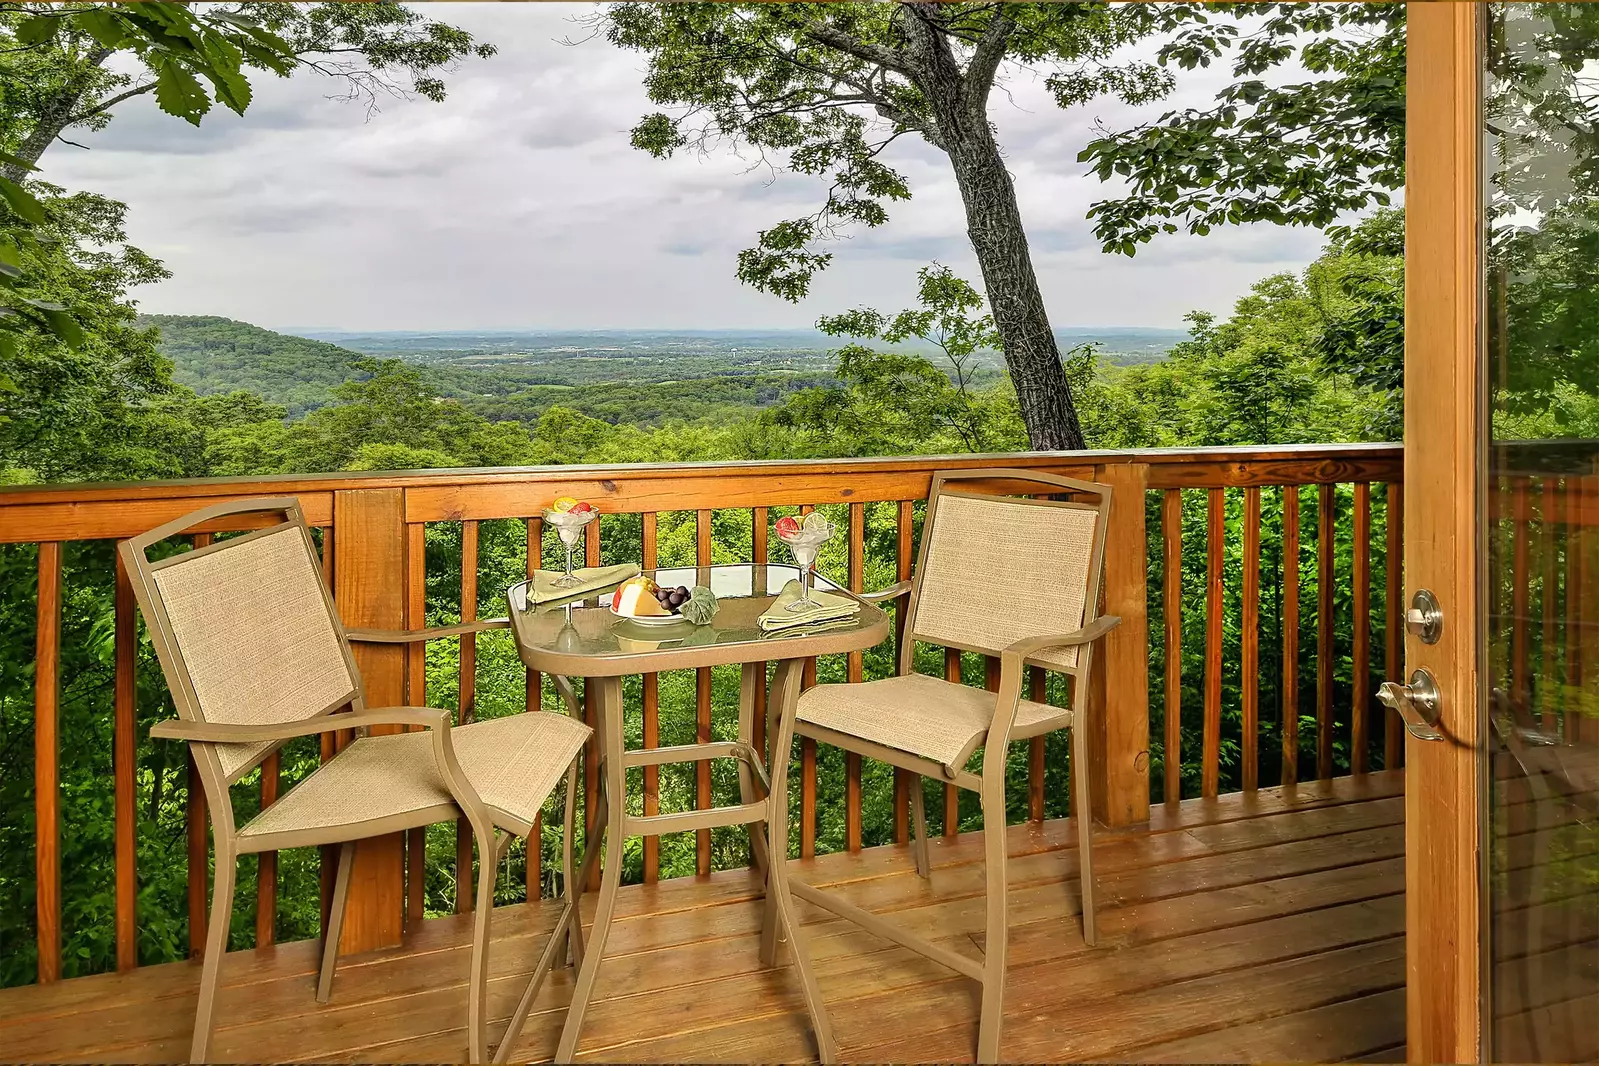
[
  {"x": 994, "y": 225},
  {"x": 55, "y": 115}
]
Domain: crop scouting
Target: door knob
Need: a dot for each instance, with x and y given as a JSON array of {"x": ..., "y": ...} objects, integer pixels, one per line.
[{"x": 1417, "y": 703}]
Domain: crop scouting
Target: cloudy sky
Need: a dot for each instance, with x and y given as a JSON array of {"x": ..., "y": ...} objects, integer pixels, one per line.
[{"x": 518, "y": 203}]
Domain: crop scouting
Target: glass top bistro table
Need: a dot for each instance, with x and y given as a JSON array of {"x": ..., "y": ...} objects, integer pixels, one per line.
[{"x": 580, "y": 637}]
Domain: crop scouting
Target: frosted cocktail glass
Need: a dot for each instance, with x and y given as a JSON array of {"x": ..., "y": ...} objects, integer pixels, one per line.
[
  {"x": 569, "y": 526},
  {"x": 805, "y": 543}
]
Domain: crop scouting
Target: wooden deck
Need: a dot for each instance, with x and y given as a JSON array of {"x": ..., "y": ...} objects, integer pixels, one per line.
[{"x": 1263, "y": 927}]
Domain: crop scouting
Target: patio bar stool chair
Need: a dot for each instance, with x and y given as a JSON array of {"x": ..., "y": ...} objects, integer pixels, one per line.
[
  {"x": 1005, "y": 573},
  {"x": 255, "y": 655}
]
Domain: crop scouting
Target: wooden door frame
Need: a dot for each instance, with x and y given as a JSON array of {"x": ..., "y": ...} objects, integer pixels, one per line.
[{"x": 1445, "y": 411}]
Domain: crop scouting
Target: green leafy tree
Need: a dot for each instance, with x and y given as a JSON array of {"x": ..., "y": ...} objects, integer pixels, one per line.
[
  {"x": 81, "y": 410},
  {"x": 1301, "y": 153},
  {"x": 824, "y": 89},
  {"x": 896, "y": 400},
  {"x": 68, "y": 67}
]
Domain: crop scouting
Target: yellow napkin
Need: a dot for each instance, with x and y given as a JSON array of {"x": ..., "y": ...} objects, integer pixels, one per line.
[
  {"x": 591, "y": 578},
  {"x": 828, "y": 607}
]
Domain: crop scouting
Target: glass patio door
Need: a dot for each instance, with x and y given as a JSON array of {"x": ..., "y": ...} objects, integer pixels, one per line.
[
  {"x": 1540, "y": 115},
  {"x": 1502, "y": 532}
]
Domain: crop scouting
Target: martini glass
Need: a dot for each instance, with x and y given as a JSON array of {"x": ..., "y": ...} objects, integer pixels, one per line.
[
  {"x": 569, "y": 526},
  {"x": 805, "y": 545}
]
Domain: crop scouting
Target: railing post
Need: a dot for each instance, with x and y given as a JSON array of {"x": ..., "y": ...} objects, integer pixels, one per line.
[
  {"x": 369, "y": 573},
  {"x": 1120, "y": 733}
]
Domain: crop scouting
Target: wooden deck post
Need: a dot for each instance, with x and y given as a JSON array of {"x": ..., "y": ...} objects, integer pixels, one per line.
[
  {"x": 369, "y": 575},
  {"x": 1120, "y": 734}
]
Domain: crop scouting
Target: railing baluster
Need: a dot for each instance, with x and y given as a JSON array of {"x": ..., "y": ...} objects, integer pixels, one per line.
[
  {"x": 1576, "y": 565},
  {"x": 807, "y": 758},
  {"x": 124, "y": 763},
  {"x": 758, "y": 554},
  {"x": 702, "y": 710},
  {"x": 1038, "y": 692},
  {"x": 1360, "y": 651},
  {"x": 467, "y": 709},
  {"x": 535, "y": 702},
  {"x": 1520, "y": 588},
  {"x": 46, "y": 763},
  {"x": 952, "y": 795},
  {"x": 199, "y": 864},
  {"x": 904, "y": 530},
  {"x": 1249, "y": 680},
  {"x": 1172, "y": 535},
  {"x": 416, "y": 840},
  {"x": 1548, "y": 508},
  {"x": 327, "y": 745},
  {"x": 854, "y": 670},
  {"x": 1393, "y": 738},
  {"x": 1325, "y": 521},
  {"x": 652, "y": 717},
  {"x": 1290, "y": 774},
  {"x": 266, "y": 873},
  {"x": 591, "y": 750},
  {"x": 1216, "y": 526}
]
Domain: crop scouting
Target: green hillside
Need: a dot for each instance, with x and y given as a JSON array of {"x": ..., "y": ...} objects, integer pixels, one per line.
[{"x": 212, "y": 354}]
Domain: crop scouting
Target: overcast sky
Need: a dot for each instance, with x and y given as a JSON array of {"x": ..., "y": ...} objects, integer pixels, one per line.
[{"x": 519, "y": 203}]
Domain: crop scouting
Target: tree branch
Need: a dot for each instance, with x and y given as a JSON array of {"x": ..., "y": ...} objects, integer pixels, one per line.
[
  {"x": 990, "y": 52},
  {"x": 887, "y": 58},
  {"x": 109, "y": 103}
]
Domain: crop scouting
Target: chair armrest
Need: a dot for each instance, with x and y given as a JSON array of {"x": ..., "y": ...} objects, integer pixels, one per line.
[
  {"x": 1014, "y": 658},
  {"x": 893, "y": 592},
  {"x": 1087, "y": 635},
  {"x": 411, "y": 636},
  {"x": 220, "y": 733}
]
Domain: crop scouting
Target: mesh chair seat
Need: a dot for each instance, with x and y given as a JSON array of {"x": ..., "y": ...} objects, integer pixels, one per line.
[
  {"x": 514, "y": 763},
  {"x": 920, "y": 715}
]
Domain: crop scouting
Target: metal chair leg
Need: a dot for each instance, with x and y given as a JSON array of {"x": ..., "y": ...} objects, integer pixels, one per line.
[
  {"x": 996, "y": 927},
  {"x": 785, "y": 691},
  {"x": 330, "y": 944},
  {"x": 919, "y": 851},
  {"x": 570, "y": 888},
  {"x": 477, "y": 989},
  {"x": 216, "y": 945},
  {"x": 1083, "y": 815}
]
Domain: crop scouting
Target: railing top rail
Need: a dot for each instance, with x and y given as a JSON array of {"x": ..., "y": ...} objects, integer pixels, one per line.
[
  {"x": 30, "y": 514},
  {"x": 331, "y": 482}
]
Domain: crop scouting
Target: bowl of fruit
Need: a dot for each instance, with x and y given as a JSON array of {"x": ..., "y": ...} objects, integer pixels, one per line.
[{"x": 641, "y": 600}]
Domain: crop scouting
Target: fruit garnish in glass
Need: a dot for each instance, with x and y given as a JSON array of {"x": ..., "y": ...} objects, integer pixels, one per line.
[
  {"x": 804, "y": 539},
  {"x": 569, "y": 517}
]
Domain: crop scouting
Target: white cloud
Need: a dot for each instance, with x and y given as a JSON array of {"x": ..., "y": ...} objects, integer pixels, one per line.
[{"x": 519, "y": 203}]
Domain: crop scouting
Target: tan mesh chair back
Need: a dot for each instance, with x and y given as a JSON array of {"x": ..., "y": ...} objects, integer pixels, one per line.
[
  {"x": 998, "y": 568},
  {"x": 246, "y": 627}
]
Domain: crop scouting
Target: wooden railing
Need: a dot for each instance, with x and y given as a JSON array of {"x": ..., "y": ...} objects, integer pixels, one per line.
[{"x": 377, "y": 532}]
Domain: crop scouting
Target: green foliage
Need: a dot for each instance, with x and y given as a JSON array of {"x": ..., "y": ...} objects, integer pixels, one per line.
[
  {"x": 211, "y": 355},
  {"x": 823, "y": 89},
  {"x": 886, "y": 401},
  {"x": 1304, "y": 153},
  {"x": 66, "y": 67}
]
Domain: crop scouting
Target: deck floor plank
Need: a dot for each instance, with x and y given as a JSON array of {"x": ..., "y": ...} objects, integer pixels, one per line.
[{"x": 1259, "y": 927}]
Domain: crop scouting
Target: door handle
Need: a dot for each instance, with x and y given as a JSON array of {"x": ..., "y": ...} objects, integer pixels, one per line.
[{"x": 1418, "y": 704}]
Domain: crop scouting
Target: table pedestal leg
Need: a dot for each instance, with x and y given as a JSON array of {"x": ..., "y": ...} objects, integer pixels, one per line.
[{"x": 608, "y": 715}]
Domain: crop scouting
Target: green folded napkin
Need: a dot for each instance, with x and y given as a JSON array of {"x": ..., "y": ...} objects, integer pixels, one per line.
[
  {"x": 828, "y": 607},
  {"x": 590, "y": 578}
]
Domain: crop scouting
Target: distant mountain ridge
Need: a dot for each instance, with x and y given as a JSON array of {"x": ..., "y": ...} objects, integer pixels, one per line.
[{"x": 211, "y": 354}]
